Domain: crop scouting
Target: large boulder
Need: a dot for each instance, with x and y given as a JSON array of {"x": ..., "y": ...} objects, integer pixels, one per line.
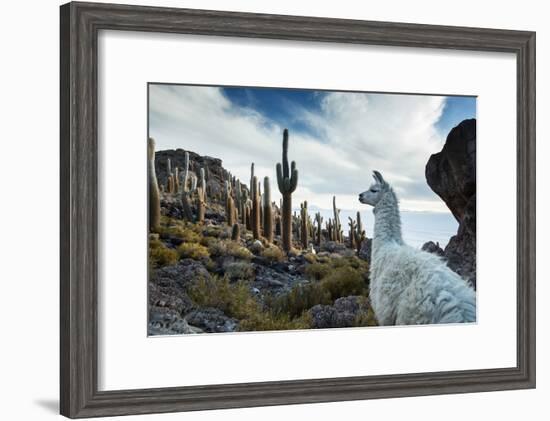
[
  {"x": 451, "y": 174},
  {"x": 343, "y": 313},
  {"x": 433, "y": 248}
]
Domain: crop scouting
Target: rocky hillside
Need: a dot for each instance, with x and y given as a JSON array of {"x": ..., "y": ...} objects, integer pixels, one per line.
[
  {"x": 451, "y": 174},
  {"x": 218, "y": 270}
]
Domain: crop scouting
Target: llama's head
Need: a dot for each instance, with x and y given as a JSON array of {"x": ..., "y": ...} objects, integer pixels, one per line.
[{"x": 375, "y": 192}]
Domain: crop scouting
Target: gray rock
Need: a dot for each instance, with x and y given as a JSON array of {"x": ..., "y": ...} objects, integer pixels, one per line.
[
  {"x": 343, "y": 313},
  {"x": 183, "y": 273},
  {"x": 212, "y": 320},
  {"x": 451, "y": 174},
  {"x": 165, "y": 321},
  {"x": 275, "y": 279},
  {"x": 433, "y": 248}
]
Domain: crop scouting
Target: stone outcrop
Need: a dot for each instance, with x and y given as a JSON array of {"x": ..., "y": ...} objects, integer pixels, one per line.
[{"x": 451, "y": 174}]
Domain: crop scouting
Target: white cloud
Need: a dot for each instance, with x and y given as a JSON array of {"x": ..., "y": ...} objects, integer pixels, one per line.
[{"x": 351, "y": 135}]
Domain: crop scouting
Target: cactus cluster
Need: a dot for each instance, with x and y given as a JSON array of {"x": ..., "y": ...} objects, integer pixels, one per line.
[{"x": 245, "y": 206}]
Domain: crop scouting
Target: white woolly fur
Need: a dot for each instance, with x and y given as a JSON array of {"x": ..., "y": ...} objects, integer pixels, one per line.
[{"x": 407, "y": 285}]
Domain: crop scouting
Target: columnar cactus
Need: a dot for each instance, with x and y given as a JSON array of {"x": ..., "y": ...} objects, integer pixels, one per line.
[
  {"x": 239, "y": 199},
  {"x": 304, "y": 235},
  {"x": 256, "y": 205},
  {"x": 337, "y": 225},
  {"x": 260, "y": 207},
  {"x": 176, "y": 180},
  {"x": 201, "y": 205},
  {"x": 203, "y": 182},
  {"x": 319, "y": 220},
  {"x": 154, "y": 194},
  {"x": 236, "y": 232},
  {"x": 185, "y": 171},
  {"x": 287, "y": 181},
  {"x": 251, "y": 178},
  {"x": 186, "y": 206},
  {"x": 229, "y": 205},
  {"x": 352, "y": 229},
  {"x": 170, "y": 184},
  {"x": 268, "y": 211},
  {"x": 360, "y": 232},
  {"x": 248, "y": 212},
  {"x": 194, "y": 183},
  {"x": 168, "y": 166},
  {"x": 244, "y": 202}
]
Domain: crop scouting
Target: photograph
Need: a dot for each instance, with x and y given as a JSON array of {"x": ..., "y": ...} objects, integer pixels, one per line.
[{"x": 281, "y": 209}]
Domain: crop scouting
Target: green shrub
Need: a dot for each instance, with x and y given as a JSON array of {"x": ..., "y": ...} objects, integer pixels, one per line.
[
  {"x": 343, "y": 281},
  {"x": 212, "y": 231},
  {"x": 273, "y": 254},
  {"x": 184, "y": 233},
  {"x": 160, "y": 255},
  {"x": 229, "y": 248},
  {"x": 208, "y": 241},
  {"x": 240, "y": 271},
  {"x": 194, "y": 251},
  {"x": 217, "y": 248},
  {"x": 235, "y": 300},
  {"x": 236, "y": 250},
  {"x": 299, "y": 299},
  {"x": 317, "y": 270}
]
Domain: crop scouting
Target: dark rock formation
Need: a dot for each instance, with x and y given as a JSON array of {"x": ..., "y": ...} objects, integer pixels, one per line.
[
  {"x": 343, "y": 313},
  {"x": 433, "y": 248},
  {"x": 451, "y": 174}
]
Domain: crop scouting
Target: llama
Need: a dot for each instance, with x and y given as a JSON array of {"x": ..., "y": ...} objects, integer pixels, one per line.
[{"x": 410, "y": 286}]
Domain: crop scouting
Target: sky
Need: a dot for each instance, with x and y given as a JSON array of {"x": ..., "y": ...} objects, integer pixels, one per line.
[{"x": 336, "y": 138}]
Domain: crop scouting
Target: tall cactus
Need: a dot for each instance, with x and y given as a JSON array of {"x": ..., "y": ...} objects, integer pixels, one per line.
[
  {"x": 154, "y": 194},
  {"x": 201, "y": 205},
  {"x": 360, "y": 232},
  {"x": 352, "y": 229},
  {"x": 304, "y": 234},
  {"x": 268, "y": 212},
  {"x": 255, "y": 216},
  {"x": 168, "y": 166},
  {"x": 229, "y": 205},
  {"x": 337, "y": 225},
  {"x": 236, "y": 232},
  {"x": 203, "y": 182},
  {"x": 176, "y": 180},
  {"x": 287, "y": 180},
  {"x": 185, "y": 171},
  {"x": 239, "y": 199},
  {"x": 319, "y": 220},
  {"x": 251, "y": 178}
]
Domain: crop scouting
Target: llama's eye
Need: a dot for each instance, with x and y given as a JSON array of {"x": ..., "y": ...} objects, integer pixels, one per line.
[{"x": 373, "y": 190}]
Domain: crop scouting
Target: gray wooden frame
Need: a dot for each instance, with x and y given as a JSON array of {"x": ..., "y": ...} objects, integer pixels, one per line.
[{"x": 80, "y": 23}]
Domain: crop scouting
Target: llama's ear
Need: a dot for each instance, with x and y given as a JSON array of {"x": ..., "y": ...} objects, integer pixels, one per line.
[{"x": 378, "y": 177}]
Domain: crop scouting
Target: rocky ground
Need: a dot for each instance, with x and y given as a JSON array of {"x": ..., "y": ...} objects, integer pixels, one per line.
[{"x": 222, "y": 285}]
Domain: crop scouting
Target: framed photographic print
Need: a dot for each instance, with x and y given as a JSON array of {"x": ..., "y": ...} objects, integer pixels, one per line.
[{"x": 264, "y": 209}]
